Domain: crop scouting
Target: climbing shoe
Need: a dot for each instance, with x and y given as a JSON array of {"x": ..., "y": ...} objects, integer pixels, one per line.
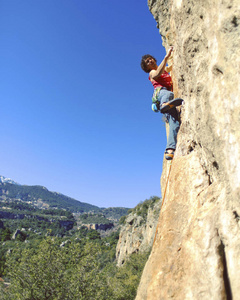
[
  {"x": 169, "y": 155},
  {"x": 171, "y": 104}
]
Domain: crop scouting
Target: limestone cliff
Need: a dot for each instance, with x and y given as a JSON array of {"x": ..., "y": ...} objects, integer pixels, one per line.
[
  {"x": 196, "y": 253},
  {"x": 100, "y": 226},
  {"x": 138, "y": 231}
]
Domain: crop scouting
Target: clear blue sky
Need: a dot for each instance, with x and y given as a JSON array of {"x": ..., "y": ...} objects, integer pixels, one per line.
[{"x": 75, "y": 111}]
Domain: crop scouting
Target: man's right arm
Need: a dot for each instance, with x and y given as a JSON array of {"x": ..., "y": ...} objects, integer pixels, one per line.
[{"x": 154, "y": 74}]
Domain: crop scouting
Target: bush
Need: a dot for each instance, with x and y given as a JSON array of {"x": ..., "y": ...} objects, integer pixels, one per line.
[
  {"x": 53, "y": 272},
  {"x": 142, "y": 208},
  {"x": 122, "y": 220},
  {"x": 126, "y": 279}
]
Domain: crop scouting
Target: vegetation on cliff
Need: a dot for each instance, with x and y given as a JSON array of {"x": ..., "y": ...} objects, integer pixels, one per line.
[
  {"x": 138, "y": 229},
  {"x": 141, "y": 209}
]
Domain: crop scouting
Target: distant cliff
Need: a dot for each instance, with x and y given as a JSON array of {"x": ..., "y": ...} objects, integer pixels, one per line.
[
  {"x": 196, "y": 253},
  {"x": 98, "y": 226},
  {"x": 138, "y": 231}
]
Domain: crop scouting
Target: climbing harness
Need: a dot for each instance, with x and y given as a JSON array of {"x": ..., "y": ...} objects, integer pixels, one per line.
[
  {"x": 155, "y": 101},
  {"x": 156, "y": 105},
  {"x": 156, "y": 94},
  {"x": 169, "y": 171}
]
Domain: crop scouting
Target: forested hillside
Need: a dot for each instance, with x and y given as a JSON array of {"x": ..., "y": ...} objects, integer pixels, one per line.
[
  {"x": 41, "y": 197},
  {"x": 43, "y": 258}
]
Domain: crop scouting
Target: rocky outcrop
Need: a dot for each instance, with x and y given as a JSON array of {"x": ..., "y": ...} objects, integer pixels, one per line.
[
  {"x": 137, "y": 234},
  {"x": 64, "y": 243},
  {"x": 95, "y": 226},
  {"x": 196, "y": 252},
  {"x": 17, "y": 233}
]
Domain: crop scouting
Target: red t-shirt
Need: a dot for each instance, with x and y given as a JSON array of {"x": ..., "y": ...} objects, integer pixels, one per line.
[{"x": 164, "y": 80}]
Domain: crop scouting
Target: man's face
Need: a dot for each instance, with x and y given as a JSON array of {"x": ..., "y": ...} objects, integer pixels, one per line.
[{"x": 150, "y": 63}]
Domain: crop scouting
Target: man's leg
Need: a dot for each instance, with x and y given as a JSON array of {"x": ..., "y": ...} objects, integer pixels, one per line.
[
  {"x": 167, "y": 101},
  {"x": 172, "y": 118},
  {"x": 165, "y": 96}
]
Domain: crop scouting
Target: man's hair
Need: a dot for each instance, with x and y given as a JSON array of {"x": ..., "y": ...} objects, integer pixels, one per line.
[{"x": 143, "y": 63}]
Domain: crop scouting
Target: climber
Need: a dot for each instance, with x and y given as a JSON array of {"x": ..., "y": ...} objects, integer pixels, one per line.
[{"x": 163, "y": 97}]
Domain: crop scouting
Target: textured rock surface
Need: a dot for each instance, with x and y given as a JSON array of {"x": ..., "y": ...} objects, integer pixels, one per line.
[
  {"x": 196, "y": 253},
  {"x": 137, "y": 234}
]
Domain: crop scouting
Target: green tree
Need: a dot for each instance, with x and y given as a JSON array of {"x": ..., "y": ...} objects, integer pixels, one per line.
[
  {"x": 5, "y": 234},
  {"x": 93, "y": 234},
  {"x": 126, "y": 279},
  {"x": 54, "y": 272}
]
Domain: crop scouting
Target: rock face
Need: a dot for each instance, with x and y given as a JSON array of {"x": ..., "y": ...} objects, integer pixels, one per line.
[
  {"x": 196, "y": 252},
  {"x": 16, "y": 233},
  {"x": 99, "y": 226},
  {"x": 137, "y": 234}
]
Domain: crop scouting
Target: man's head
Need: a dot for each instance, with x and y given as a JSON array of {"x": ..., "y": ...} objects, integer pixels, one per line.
[{"x": 147, "y": 62}]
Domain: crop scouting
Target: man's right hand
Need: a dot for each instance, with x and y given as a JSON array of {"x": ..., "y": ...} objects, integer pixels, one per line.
[{"x": 169, "y": 52}]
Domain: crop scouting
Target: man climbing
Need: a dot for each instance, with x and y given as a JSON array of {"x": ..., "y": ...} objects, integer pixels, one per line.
[{"x": 163, "y": 97}]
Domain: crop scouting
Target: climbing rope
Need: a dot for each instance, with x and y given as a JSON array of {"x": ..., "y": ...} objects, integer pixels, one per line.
[
  {"x": 166, "y": 184},
  {"x": 169, "y": 171}
]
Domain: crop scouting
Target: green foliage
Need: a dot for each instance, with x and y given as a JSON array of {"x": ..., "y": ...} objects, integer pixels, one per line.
[
  {"x": 114, "y": 213},
  {"x": 5, "y": 234},
  {"x": 17, "y": 206},
  {"x": 93, "y": 234},
  {"x": 57, "y": 212},
  {"x": 130, "y": 211},
  {"x": 122, "y": 220},
  {"x": 125, "y": 280},
  {"x": 83, "y": 269},
  {"x": 142, "y": 208},
  {"x": 2, "y": 261},
  {"x": 54, "y": 272},
  {"x": 21, "y": 237},
  {"x": 37, "y": 267},
  {"x": 94, "y": 219},
  {"x": 39, "y": 221}
]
